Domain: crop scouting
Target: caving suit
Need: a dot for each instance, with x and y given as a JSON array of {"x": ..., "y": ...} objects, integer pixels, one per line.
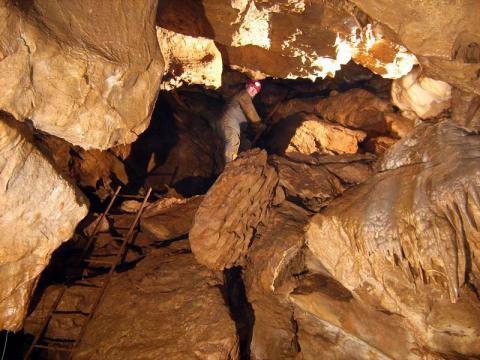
[{"x": 233, "y": 123}]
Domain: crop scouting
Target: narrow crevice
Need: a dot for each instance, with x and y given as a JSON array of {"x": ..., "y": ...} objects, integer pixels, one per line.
[{"x": 241, "y": 310}]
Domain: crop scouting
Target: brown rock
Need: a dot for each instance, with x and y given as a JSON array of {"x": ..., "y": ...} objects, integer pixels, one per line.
[
  {"x": 170, "y": 307},
  {"x": 83, "y": 71},
  {"x": 308, "y": 134},
  {"x": 466, "y": 110},
  {"x": 398, "y": 126},
  {"x": 444, "y": 36},
  {"x": 320, "y": 183},
  {"x": 39, "y": 211},
  {"x": 355, "y": 109},
  {"x": 224, "y": 224},
  {"x": 399, "y": 240},
  {"x": 286, "y": 39},
  {"x": 333, "y": 324},
  {"x": 166, "y": 219},
  {"x": 271, "y": 261},
  {"x": 378, "y": 145},
  {"x": 93, "y": 169}
]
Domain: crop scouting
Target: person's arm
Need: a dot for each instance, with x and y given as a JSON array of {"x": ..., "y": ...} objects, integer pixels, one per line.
[{"x": 248, "y": 109}]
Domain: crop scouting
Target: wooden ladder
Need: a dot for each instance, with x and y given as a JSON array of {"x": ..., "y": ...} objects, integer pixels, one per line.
[{"x": 87, "y": 259}]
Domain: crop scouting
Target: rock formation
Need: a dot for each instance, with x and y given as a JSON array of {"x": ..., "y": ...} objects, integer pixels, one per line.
[
  {"x": 225, "y": 222},
  {"x": 39, "y": 210},
  {"x": 288, "y": 39},
  {"x": 170, "y": 218},
  {"x": 443, "y": 35},
  {"x": 407, "y": 241},
  {"x": 85, "y": 72},
  {"x": 420, "y": 96},
  {"x": 186, "y": 314}
]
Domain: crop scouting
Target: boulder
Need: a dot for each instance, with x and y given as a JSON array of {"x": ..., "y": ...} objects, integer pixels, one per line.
[
  {"x": 169, "y": 218},
  {"x": 378, "y": 145},
  {"x": 444, "y": 36},
  {"x": 40, "y": 210},
  {"x": 307, "y": 134},
  {"x": 225, "y": 222},
  {"x": 406, "y": 240},
  {"x": 420, "y": 96},
  {"x": 171, "y": 307},
  {"x": 287, "y": 39},
  {"x": 332, "y": 324},
  {"x": 272, "y": 259},
  {"x": 355, "y": 109},
  {"x": 323, "y": 178},
  {"x": 466, "y": 110},
  {"x": 189, "y": 60},
  {"x": 95, "y": 170},
  {"x": 83, "y": 71}
]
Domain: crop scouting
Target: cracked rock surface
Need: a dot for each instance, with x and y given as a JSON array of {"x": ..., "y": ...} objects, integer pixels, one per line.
[
  {"x": 83, "y": 71},
  {"x": 39, "y": 211},
  {"x": 407, "y": 239}
]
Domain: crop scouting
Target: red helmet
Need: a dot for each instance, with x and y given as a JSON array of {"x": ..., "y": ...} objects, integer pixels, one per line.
[{"x": 255, "y": 84}]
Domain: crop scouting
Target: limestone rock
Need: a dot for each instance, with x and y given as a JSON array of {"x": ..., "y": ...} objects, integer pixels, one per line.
[
  {"x": 443, "y": 35},
  {"x": 40, "y": 210},
  {"x": 378, "y": 145},
  {"x": 407, "y": 241},
  {"x": 178, "y": 149},
  {"x": 399, "y": 126},
  {"x": 83, "y": 71},
  {"x": 271, "y": 261},
  {"x": 466, "y": 110},
  {"x": 322, "y": 179},
  {"x": 170, "y": 307},
  {"x": 169, "y": 221},
  {"x": 287, "y": 39},
  {"x": 307, "y": 134},
  {"x": 99, "y": 171},
  {"x": 332, "y": 325},
  {"x": 354, "y": 109},
  {"x": 189, "y": 60},
  {"x": 420, "y": 95},
  {"x": 224, "y": 224}
]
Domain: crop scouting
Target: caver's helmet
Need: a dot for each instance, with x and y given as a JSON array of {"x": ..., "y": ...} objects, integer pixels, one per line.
[{"x": 255, "y": 84}]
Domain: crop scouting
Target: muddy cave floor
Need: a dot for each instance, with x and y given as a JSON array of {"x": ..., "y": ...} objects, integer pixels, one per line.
[{"x": 210, "y": 312}]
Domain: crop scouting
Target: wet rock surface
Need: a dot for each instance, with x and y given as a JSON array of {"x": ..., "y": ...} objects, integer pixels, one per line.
[
  {"x": 235, "y": 205},
  {"x": 39, "y": 211},
  {"x": 410, "y": 247}
]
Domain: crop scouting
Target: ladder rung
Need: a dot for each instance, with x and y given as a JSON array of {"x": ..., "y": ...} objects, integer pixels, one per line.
[
  {"x": 83, "y": 284},
  {"x": 128, "y": 196},
  {"x": 53, "y": 347},
  {"x": 103, "y": 255},
  {"x": 100, "y": 262},
  {"x": 57, "y": 341},
  {"x": 70, "y": 312}
]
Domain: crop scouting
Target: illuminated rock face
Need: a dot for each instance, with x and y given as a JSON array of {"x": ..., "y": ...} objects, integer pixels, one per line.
[
  {"x": 407, "y": 240},
  {"x": 39, "y": 211},
  {"x": 420, "y": 96},
  {"x": 444, "y": 35},
  {"x": 288, "y": 39},
  {"x": 83, "y": 71},
  {"x": 189, "y": 60}
]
